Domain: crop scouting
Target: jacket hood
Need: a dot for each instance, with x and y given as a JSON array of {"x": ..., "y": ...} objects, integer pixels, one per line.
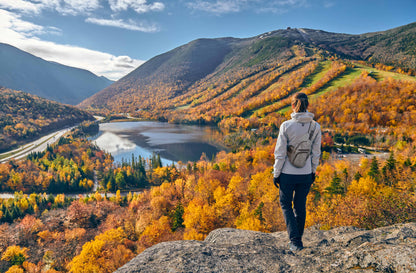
[{"x": 302, "y": 116}]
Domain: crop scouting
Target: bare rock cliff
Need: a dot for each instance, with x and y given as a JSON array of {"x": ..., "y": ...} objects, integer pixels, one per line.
[{"x": 344, "y": 249}]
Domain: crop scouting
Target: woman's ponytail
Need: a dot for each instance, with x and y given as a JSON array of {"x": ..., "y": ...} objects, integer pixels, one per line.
[{"x": 300, "y": 102}]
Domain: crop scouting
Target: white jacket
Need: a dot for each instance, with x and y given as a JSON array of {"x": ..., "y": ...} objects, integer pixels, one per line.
[{"x": 289, "y": 133}]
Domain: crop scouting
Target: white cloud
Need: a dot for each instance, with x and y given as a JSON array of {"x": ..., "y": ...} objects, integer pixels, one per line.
[
  {"x": 10, "y": 22},
  {"x": 25, "y": 35},
  {"x": 77, "y": 7},
  {"x": 232, "y": 6},
  {"x": 140, "y": 6},
  {"x": 218, "y": 7},
  {"x": 130, "y": 25},
  {"x": 19, "y": 33},
  {"x": 65, "y": 7},
  {"x": 21, "y": 5},
  {"x": 329, "y": 4},
  {"x": 100, "y": 63},
  {"x": 72, "y": 7}
]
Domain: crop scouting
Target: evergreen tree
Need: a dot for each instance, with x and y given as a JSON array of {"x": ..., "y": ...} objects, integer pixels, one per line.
[
  {"x": 345, "y": 173},
  {"x": 407, "y": 162},
  {"x": 7, "y": 216},
  {"x": 391, "y": 162},
  {"x": 335, "y": 186},
  {"x": 177, "y": 217},
  {"x": 156, "y": 161},
  {"x": 374, "y": 170},
  {"x": 259, "y": 212},
  {"x": 389, "y": 171},
  {"x": 121, "y": 180}
]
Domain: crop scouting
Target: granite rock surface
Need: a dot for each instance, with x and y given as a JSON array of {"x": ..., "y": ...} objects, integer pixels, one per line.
[{"x": 344, "y": 249}]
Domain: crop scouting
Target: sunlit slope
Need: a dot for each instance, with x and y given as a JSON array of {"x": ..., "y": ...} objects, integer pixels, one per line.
[
  {"x": 25, "y": 117},
  {"x": 225, "y": 80}
]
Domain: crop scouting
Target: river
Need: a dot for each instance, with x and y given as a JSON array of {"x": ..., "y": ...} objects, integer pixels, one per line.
[{"x": 172, "y": 142}]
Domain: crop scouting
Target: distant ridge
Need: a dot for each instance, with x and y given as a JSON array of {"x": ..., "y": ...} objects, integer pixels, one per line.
[{"x": 20, "y": 70}]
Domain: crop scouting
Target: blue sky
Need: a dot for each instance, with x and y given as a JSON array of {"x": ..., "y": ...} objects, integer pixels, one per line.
[{"x": 113, "y": 37}]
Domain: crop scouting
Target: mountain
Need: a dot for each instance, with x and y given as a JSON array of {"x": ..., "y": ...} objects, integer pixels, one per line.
[
  {"x": 24, "y": 117},
  {"x": 20, "y": 70},
  {"x": 343, "y": 249},
  {"x": 209, "y": 80}
]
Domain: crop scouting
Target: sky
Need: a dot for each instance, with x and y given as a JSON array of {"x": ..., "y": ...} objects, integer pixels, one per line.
[{"x": 113, "y": 37}]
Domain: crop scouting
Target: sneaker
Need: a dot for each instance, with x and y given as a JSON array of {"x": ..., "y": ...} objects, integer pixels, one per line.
[{"x": 294, "y": 247}]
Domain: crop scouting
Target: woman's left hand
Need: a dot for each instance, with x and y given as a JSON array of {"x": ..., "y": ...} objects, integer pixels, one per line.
[{"x": 276, "y": 181}]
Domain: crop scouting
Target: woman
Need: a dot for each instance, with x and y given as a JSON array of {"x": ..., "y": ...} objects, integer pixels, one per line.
[{"x": 295, "y": 181}]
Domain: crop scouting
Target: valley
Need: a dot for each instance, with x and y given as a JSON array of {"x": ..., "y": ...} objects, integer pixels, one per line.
[{"x": 362, "y": 90}]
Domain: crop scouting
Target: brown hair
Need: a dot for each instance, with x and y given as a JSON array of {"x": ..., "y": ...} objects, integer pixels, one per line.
[{"x": 300, "y": 102}]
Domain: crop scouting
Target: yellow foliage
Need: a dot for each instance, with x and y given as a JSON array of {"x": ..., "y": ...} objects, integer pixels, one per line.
[
  {"x": 250, "y": 223},
  {"x": 74, "y": 234},
  {"x": 14, "y": 251},
  {"x": 325, "y": 174},
  {"x": 118, "y": 197},
  {"x": 223, "y": 199},
  {"x": 235, "y": 182},
  {"x": 31, "y": 267},
  {"x": 364, "y": 186},
  {"x": 159, "y": 205},
  {"x": 23, "y": 204},
  {"x": 90, "y": 258},
  {"x": 324, "y": 213},
  {"x": 44, "y": 235},
  {"x": 15, "y": 269},
  {"x": 144, "y": 220},
  {"x": 247, "y": 219},
  {"x": 364, "y": 163},
  {"x": 261, "y": 156},
  {"x": 193, "y": 234},
  {"x": 261, "y": 186},
  {"x": 97, "y": 196},
  {"x": 60, "y": 199},
  {"x": 206, "y": 188},
  {"x": 200, "y": 217},
  {"x": 155, "y": 231}
]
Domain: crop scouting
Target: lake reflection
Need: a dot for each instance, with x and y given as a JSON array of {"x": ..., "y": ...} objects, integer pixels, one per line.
[{"x": 172, "y": 141}]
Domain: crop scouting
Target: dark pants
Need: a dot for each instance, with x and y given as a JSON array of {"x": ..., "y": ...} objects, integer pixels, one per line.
[{"x": 293, "y": 192}]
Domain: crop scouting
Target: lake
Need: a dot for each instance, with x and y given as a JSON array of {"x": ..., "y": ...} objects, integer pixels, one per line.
[{"x": 173, "y": 142}]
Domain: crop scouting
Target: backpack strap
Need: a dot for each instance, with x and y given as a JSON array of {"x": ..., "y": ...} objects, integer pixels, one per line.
[{"x": 313, "y": 129}]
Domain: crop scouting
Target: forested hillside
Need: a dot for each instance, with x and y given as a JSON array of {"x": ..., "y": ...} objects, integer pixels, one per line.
[
  {"x": 234, "y": 190},
  {"x": 24, "y": 117}
]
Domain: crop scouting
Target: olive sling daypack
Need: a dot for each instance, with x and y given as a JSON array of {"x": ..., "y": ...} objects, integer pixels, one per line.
[{"x": 299, "y": 153}]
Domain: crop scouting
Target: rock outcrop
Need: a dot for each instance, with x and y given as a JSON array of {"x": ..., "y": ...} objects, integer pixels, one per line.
[{"x": 344, "y": 249}]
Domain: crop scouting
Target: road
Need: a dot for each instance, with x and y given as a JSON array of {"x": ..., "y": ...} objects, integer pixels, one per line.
[{"x": 35, "y": 146}]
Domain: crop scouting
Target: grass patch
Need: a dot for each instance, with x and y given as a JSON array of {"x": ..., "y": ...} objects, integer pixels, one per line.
[
  {"x": 346, "y": 78},
  {"x": 381, "y": 74},
  {"x": 319, "y": 72},
  {"x": 184, "y": 107},
  {"x": 349, "y": 76}
]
